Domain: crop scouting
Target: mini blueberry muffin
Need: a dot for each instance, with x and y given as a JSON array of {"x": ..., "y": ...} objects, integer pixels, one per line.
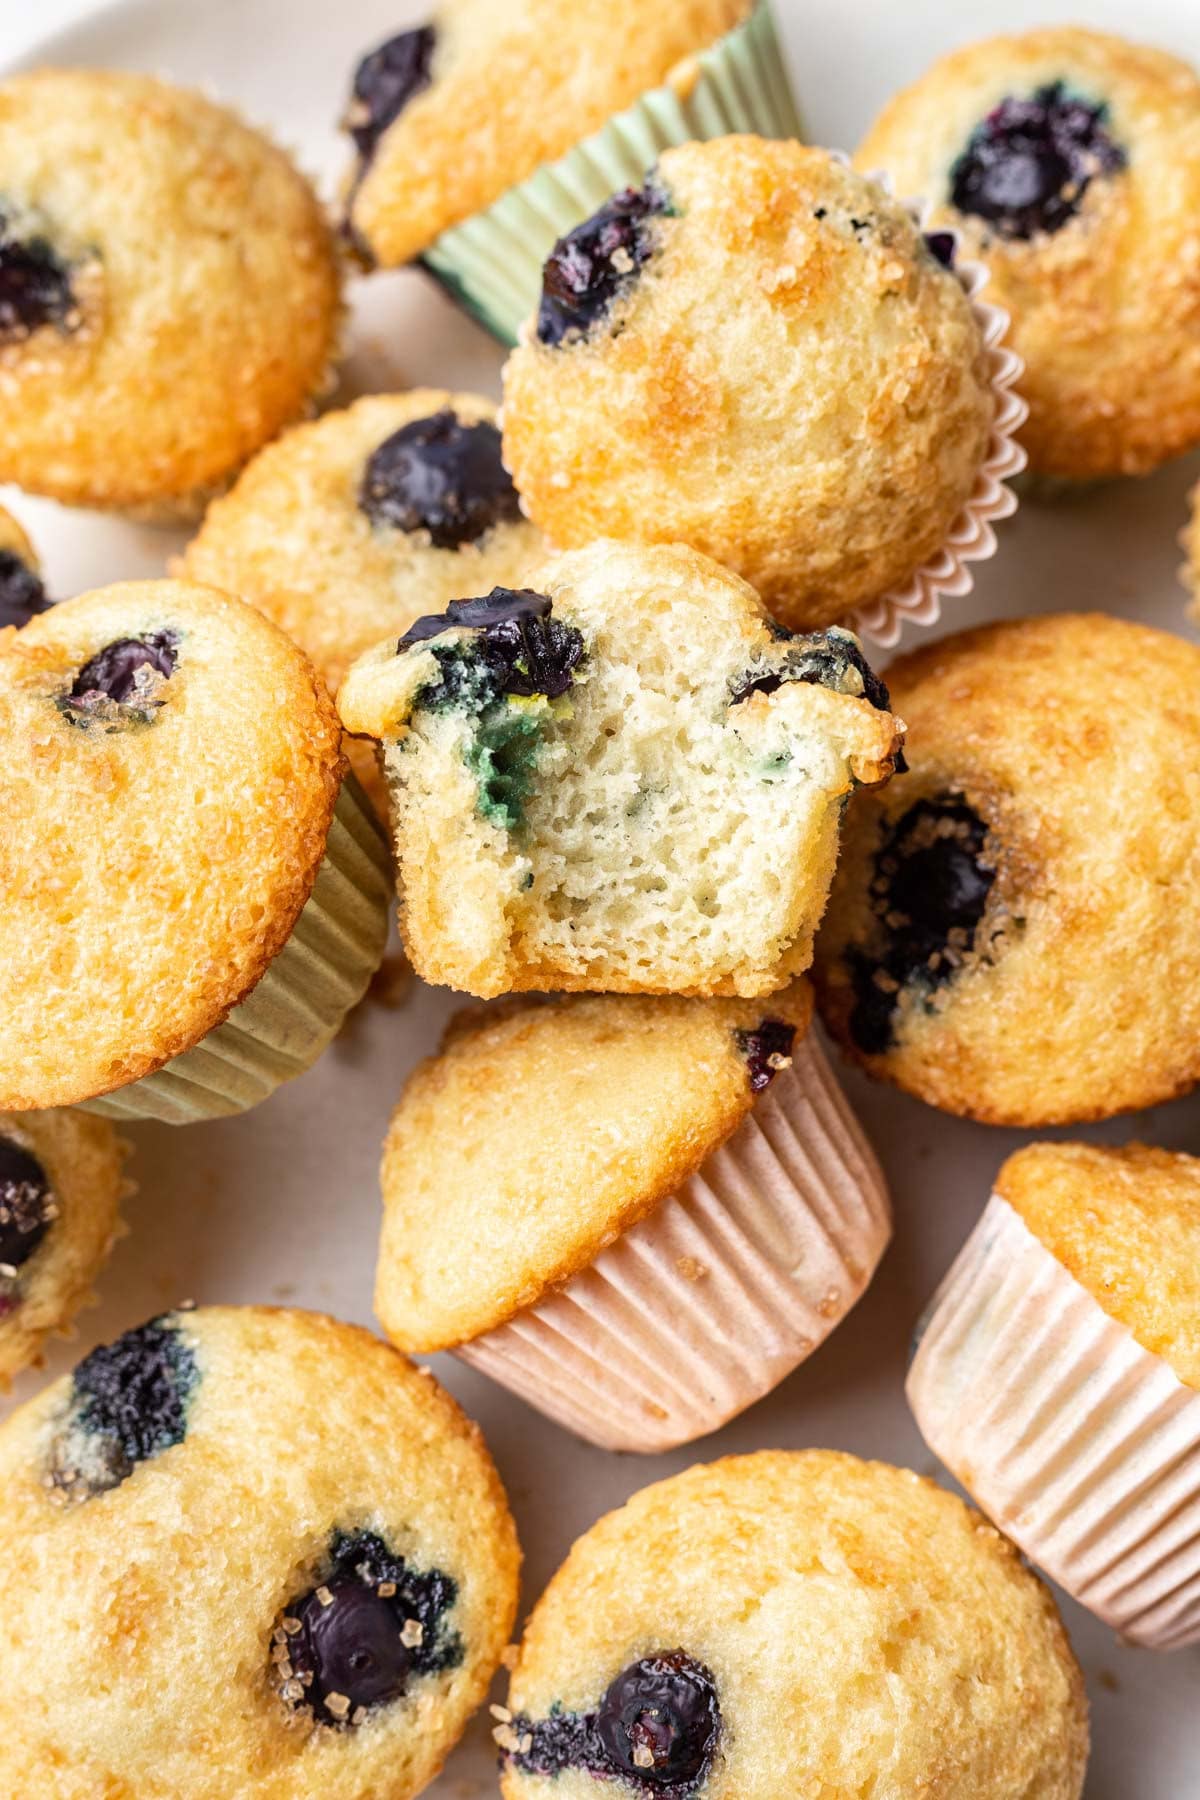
[
  {"x": 1070, "y": 163},
  {"x": 448, "y": 117},
  {"x": 61, "y": 1187},
  {"x": 168, "y": 291},
  {"x": 22, "y": 594},
  {"x": 1010, "y": 934},
  {"x": 677, "y": 1212},
  {"x": 1084, "y": 1276},
  {"x": 686, "y": 378},
  {"x": 191, "y": 898},
  {"x": 249, "y": 1555},
  {"x": 622, "y": 777},
  {"x": 353, "y": 526},
  {"x": 799, "y": 1624}
]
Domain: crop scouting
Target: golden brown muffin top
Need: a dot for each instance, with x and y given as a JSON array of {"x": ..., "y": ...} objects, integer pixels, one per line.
[
  {"x": 144, "y": 1636},
  {"x": 543, "y": 1130},
  {"x": 1059, "y": 753},
  {"x": 863, "y": 1631},
  {"x": 156, "y": 848},
  {"x": 1126, "y": 1224},
  {"x": 512, "y": 84},
  {"x": 1106, "y": 303}
]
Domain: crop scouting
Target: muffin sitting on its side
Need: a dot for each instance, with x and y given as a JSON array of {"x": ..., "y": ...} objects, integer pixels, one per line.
[
  {"x": 794, "y": 1625},
  {"x": 1070, "y": 163},
  {"x": 1012, "y": 930},
  {"x": 622, "y": 778}
]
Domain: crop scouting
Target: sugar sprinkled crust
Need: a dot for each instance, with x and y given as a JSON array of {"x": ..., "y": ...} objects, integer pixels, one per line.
[
  {"x": 791, "y": 383},
  {"x": 867, "y": 1632},
  {"x": 184, "y": 229},
  {"x": 1073, "y": 740},
  {"x": 82, "y": 1158},
  {"x": 138, "y": 1653},
  {"x": 155, "y": 859},
  {"x": 538, "y": 1134},
  {"x": 514, "y": 86},
  {"x": 658, "y": 825},
  {"x": 1106, "y": 309},
  {"x": 1126, "y": 1224}
]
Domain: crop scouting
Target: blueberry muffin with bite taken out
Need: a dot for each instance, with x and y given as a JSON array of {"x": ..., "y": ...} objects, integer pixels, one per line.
[
  {"x": 311, "y": 1539},
  {"x": 22, "y": 592},
  {"x": 174, "y": 809},
  {"x": 446, "y": 118},
  {"x": 349, "y": 528},
  {"x": 1049, "y": 153},
  {"x": 168, "y": 291},
  {"x": 685, "y": 378},
  {"x": 800, "y": 1624},
  {"x": 622, "y": 777},
  {"x": 61, "y": 1186},
  {"x": 1010, "y": 934}
]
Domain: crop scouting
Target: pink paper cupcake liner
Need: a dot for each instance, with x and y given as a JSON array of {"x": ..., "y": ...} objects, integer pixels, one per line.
[
  {"x": 972, "y": 539},
  {"x": 1081, "y": 1445},
  {"x": 706, "y": 1305}
]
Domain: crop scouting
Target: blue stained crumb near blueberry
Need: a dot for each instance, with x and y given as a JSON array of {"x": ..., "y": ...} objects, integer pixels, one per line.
[
  {"x": 1029, "y": 164},
  {"x": 930, "y": 889},
  {"x": 35, "y": 286},
  {"x": 129, "y": 1402},
  {"x": 357, "y": 1639},
  {"x": 519, "y": 650},
  {"x": 594, "y": 263},
  {"x": 384, "y": 83},
  {"x": 441, "y": 475},
  {"x": 22, "y": 595},
  {"x": 656, "y": 1729},
  {"x": 27, "y": 1210}
]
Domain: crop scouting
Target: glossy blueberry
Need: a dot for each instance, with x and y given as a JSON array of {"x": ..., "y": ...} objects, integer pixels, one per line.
[
  {"x": 112, "y": 674},
  {"x": 129, "y": 1401},
  {"x": 385, "y": 82},
  {"x": 21, "y": 592},
  {"x": 443, "y": 476},
  {"x": 765, "y": 1050},
  {"x": 35, "y": 287},
  {"x": 359, "y": 1637},
  {"x": 590, "y": 266},
  {"x": 929, "y": 892},
  {"x": 27, "y": 1204},
  {"x": 824, "y": 657},
  {"x": 522, "y": 649},
  {"x": 1028, "y": 165}
]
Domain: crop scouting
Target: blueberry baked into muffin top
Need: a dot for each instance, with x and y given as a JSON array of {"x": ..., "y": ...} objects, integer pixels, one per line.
[
  {"x": 447, "y": 117},
  {"x": 169, "y": 293},
  {"x": 352, "y": 526},
  {"x": 760, "y": 355},
  {"x": 621, "y": 777},
  {"x": 169, "y": 764},
  {"x": 793, "y": 1624},
  {"x": 251, "y": 1555},
  {"x": 1051, "y": 153},
  {"x": 1010, "y": 930}
]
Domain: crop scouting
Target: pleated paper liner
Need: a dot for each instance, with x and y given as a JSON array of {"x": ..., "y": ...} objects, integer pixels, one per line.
[
  {"x": 706, "y": 1305},
  {"x": 1081, "y": 1445},
  {"x": 492, "y": 263},
  {"x": 298, "y": 1006}
]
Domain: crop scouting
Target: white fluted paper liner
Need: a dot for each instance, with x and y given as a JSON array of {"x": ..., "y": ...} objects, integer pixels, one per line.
[
  {"x": 971, "y": 539},
  {"x": 1081, "y": 1446},
  {"x": 706, "y": 1305},
  {"x": 298, "y": 1006}
]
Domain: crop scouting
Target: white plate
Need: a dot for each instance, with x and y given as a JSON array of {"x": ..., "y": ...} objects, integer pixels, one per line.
[{"x": 282, "y": 1205}]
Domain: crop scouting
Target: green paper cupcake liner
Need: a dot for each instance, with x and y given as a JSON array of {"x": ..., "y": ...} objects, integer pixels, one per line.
[
  {"x": 296, "y": 1008},
  {"x": 492, "y": 264}
]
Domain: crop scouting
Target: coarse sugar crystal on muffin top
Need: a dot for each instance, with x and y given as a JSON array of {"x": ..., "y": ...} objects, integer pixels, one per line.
[
  {"x": 626, "y": 775},
  {"x": 686, "y": 378},
  {"x": 1047, "y": 152},
  {"x": 310, "y": 1535},
  {"x": 448, "y": 116},
  {"x": 169, "y": 291}
]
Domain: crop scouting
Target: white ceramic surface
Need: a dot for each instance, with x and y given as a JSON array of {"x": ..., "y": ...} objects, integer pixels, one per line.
[{"x": 282, "y": 1204}]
